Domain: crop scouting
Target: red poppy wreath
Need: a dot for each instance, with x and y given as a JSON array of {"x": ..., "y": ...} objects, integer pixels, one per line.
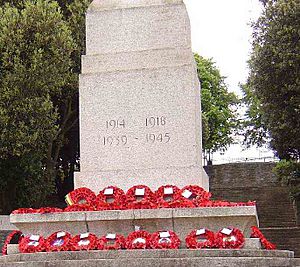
[
  {"x": 81, "y": 195},
  {"x": 49, "y": 210},
  {"x": 31, "y": 244},
  {"x": 24, "y": 211},
  {"x": 229, "y": 238},
  {"x": 221, "y": 203},
  {"x": 200, "y": 238},
  {"x": 138, "y": 240},
  {"x": 140, "y": 197},
  {"x": 111, "y": 198},
  {"x": 79, "y": 207},
  {"x": 192, "y": 196},
  {"x": 249, "y": 203},
  {"x": 256, "y": 233},
  {"x": 164, "y": 240},
  {"x": 86, "y": 241},
  {"x": 165, "y": 196},
  {"x": 111, "y": 242},
  {"x": 13, "y": 238},
  {"x": 58, "y": 241}
]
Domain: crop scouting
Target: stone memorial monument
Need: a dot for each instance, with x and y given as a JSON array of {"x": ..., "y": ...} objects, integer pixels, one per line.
[
  {"x": 140, "y": 114},
  {"x": 140, "y": 120}
]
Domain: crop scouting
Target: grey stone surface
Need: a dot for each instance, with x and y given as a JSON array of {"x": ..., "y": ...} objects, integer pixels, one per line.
[
  {"x": 47, "y": 217},
  {"x": 181, "y": 253},
  {"x": 156, "y": 58},
  {"x": 206, "y": 262},
  {"x": 252, "y": 243},
  {"x": 182, "y": 221},
  {"x": 296, "y": 262},
  {"x": 140, "y": 119},
  {"x": 12, "y": 249},
  {"x": 5, "y": 224},
  {"x": 121, "y": 4},
  {"x": 135, "y": 96},
  {"x": 45, "y": 224},
  {"x": 137, "y": 29},
  {"x": 180, "y": 257}
]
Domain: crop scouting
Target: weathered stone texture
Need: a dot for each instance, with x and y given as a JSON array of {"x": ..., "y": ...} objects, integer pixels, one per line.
[
  {"x": 236, "y": 258},
  {"x": 140, "y": 120},
  {"x": 181, "y": 221}
]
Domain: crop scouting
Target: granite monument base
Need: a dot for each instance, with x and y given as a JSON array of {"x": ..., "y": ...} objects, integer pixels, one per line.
[{"x": 181, "y": 221}]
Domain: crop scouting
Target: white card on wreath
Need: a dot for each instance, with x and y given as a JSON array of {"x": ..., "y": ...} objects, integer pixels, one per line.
[
  {"x": 139, "y": 240},
  {"x": 111, "y": 236},
  {"x": 33, "y": 243},
  {"x": 187, "y": 193},
  {"x": 226, "y": 231},
  {"x": 84, "y": 242},
  {"x": 108, "y": 191},
  {"x": 85, "y": 235},
  {"x": 60, "y": 234},
  {"x": 200, "y": 231},
  {"x": 34, "y": 238},
  {"x": 140, "y": 191},
  {"x": 168, "y": 191},
  {"x": 164, "y": 234},
  {"x": 137, "y": 228}
]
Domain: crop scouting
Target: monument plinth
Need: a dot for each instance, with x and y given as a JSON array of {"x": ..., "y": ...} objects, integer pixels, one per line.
[
  {"x": 182, "y": 221},
  {"x": 140, "y": 114}
]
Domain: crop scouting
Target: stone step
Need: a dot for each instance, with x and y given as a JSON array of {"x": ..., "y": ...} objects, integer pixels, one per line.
[
  {"x": 274, "y": 206},
  {"x": 284, "y": 238},
  {"x": 250, "y": 244},
  {"x": 296, "y": 262},
  {"x": 137, "y": 258}
]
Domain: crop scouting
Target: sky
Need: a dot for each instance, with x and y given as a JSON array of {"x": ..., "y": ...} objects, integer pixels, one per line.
[{"x": 221, "y": 30}]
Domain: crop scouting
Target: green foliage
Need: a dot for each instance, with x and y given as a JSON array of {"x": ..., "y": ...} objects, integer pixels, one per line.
[
  {"x": 68, "y": 151},
  {"x": 22, "y": 183},
  {"x": 274, "y": 75},
  {"x": 289, "y": 173},
  {"x": 252, "y": 126},
  {"x": 273, "y": 87},
  {"x": 39, "y": 117},
  {"x": 36, "y": 46},
  {"x": 218, "y": 115},
  {"x": 76, "y": 20},
  {"x": 16, "y": 3}
]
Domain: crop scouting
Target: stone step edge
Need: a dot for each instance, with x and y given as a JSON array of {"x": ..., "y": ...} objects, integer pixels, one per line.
[
  {"x": 280, "y": 228},
  {"x": 147, "y": 254},
  {"x": 150, "y": 262},
  {"x": 135, "y": 214},
  {"x": 105, "y": 5},
  {"x": 136, "y": 60}
]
